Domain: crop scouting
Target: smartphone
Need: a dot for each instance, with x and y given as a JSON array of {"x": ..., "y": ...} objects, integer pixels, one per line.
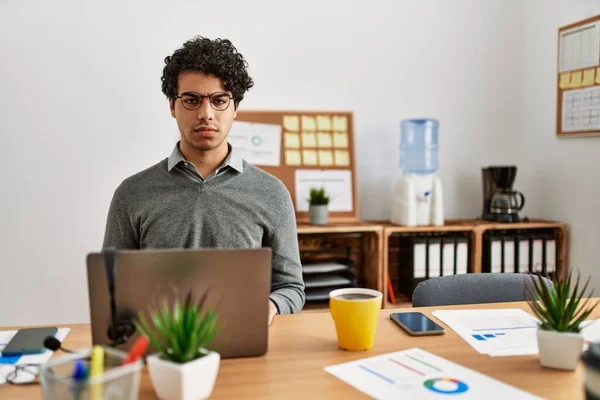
[
  {"x": 28, "y": 341},
  {"x": 416, "y": 324}
]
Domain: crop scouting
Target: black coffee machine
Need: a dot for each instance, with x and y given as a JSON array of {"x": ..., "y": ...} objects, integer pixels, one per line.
[{"x": 500, "y": 202}]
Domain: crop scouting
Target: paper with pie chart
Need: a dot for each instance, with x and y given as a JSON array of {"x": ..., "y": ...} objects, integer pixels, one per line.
[
  {"x": 258, "y": 144},
  {"x": 418, "y": 374}
]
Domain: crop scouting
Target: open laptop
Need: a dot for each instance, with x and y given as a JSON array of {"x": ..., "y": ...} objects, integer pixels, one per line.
[{"x": 238, "y": 282}]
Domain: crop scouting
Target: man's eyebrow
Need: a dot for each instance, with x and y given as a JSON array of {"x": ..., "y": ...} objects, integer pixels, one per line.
[{"x": 190, "y": 94}]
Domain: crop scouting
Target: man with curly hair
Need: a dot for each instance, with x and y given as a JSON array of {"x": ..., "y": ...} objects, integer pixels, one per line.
[{"x": 204, "y": 195}]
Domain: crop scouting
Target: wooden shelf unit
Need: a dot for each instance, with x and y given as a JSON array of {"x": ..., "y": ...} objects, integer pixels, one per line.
[
  {"x": 362, "y": 241},
  {"x": 474, "y": 230},
  {"x": 369, "y": 244}
]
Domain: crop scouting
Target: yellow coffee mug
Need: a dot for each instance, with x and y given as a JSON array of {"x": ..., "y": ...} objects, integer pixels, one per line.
[{"x": 355, "y": 312}]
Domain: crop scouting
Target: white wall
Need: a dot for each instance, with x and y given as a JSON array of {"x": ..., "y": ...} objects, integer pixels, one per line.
[
  {"x": 81, "y": 108},
  {"x": 560, "y": 176}
]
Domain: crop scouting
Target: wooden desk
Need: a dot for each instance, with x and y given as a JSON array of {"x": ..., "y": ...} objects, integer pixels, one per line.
[{"x": 302, "y": 345}]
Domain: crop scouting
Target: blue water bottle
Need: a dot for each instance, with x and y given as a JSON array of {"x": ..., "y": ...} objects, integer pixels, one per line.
[{"x": 419, "y": 146}]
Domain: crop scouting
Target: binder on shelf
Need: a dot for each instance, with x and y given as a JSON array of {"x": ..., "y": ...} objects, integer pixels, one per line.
[
  {"x": 492, "y": 254},
  {"x": 537, "y": 253},
  {"x": 522, "y": 253},
  {"x": 419, "y": 258},
  {"x": 549, "y": 254},
  {"x": 434, "y": 250},
  {"x": 461, "y": 255},
  {"x": 508, "y": 254},
  {"x": 448, "y": 259}
]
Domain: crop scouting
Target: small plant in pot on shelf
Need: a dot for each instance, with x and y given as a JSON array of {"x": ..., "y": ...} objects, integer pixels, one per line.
[
  {"x": 182, "y": 368},
  {"x": 561, "y": 308},
  {"x": 318, "y": 206}
]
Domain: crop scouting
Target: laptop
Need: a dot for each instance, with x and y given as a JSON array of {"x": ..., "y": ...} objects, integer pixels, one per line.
[{"x": 238, "y": 282}]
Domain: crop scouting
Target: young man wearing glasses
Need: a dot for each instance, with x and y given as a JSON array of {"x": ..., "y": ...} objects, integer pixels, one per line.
[{"x": 204, "y": 195}]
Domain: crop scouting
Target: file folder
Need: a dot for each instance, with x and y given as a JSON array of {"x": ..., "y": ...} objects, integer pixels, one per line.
[
  {"x": 434, "y": 258},
  {"x": 522, "y": 250},
  {"x": 448, "y": 264},
  {"x": 550, "y": 254},
  {"x": 508, "y": 254},
  {"x": 495, "y": 254},
  {"x": 419, "y": 258},
  {"x": 537, "y": 253},
  {"x": 462, "y": 255}
]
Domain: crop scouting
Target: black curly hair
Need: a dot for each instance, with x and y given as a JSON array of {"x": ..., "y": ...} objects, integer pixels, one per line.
[{"x": 217, "y": 57}]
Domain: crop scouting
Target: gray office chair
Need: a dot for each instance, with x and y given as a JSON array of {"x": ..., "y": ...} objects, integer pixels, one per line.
[{"x": 471, "y": 289}]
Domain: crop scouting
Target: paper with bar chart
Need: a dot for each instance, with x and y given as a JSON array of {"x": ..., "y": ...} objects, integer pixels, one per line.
[
  {"x": 418, "y": 374},
  {"x": 505, "y": 332}
]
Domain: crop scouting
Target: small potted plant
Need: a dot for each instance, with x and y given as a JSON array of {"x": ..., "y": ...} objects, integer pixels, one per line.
[
  {"x": 182, "y": 368},
  {"x": 560, "y": 311},
  {"x": 318, "y": 206}
]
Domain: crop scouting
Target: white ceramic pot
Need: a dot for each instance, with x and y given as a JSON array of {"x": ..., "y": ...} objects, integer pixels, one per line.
[
  {"x": 561, "y": 350},
  {"x": 190, "y": 381},
  {"x": 319, "y": 214}
]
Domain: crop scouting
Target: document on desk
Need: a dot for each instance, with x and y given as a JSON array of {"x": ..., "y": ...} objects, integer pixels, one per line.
[
  {"x": 7, "y": 363},
  {"x": 418, "y": 374},
  {"x": 505, "y": 332}
]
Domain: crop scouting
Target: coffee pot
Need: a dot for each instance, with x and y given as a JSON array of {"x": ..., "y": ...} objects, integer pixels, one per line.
[{"x": 501, "y": 203}]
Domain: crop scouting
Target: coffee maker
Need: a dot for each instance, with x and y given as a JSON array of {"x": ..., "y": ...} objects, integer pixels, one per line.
[{"x": 500, "y": 202}]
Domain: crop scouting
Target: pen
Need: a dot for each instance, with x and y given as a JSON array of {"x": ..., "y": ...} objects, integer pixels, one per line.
[
  {"x": 79, "y": 375},
  {"x": 97, "y": 370},
  {"x": 137, "y": 351}
]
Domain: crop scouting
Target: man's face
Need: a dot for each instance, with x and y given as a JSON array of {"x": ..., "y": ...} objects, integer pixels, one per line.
[{"x": 205, "y": 128}]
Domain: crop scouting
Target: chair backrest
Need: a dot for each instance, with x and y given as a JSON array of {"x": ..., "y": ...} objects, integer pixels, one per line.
[{"x": 472, "y": 289}]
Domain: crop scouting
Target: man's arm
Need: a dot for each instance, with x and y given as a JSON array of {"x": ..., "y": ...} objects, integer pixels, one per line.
[
  {"x": 287, "y": 285},
  {"x": 120, "y": 232}
]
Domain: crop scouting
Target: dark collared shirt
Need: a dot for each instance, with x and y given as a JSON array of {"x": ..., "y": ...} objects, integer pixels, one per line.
[{"x": 177, "y": 160}]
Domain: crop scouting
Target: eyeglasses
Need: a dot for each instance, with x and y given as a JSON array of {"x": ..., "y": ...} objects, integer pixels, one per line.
[
  {"x": 23, "y": 374},
  {"x": 219, "y": 101}
]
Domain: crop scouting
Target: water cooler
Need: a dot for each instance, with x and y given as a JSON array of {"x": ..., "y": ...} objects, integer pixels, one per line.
[{"x": 417, "y": 197}]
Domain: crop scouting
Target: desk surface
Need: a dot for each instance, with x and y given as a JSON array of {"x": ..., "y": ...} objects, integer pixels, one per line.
[{"x": 301, "y": 345}]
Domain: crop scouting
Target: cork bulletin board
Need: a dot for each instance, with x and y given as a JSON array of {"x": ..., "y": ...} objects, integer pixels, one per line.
[
  {"x": 578, "y": 80},
  {"x": 303, "y": 149}
]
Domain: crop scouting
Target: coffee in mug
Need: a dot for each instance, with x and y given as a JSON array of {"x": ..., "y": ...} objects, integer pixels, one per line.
[{"x": 355, "y": 312}]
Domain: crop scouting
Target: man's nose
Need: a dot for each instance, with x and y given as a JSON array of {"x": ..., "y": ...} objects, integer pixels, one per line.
[{"x": 206, "y": 112}]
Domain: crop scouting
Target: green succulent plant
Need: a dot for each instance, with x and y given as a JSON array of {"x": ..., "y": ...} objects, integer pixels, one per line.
[
  {"x": 560, "y": 307},
  {"x": 179, "y": 331},
  {"x": 318, "y": 197}
]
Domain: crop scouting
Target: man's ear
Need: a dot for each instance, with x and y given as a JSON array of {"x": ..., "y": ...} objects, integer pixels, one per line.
[{"x": 172, "y": 107}]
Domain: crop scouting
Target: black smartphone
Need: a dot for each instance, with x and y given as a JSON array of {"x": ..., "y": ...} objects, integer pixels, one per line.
[
  {"x": 28, "y": 341},
  {"x": 416, "y": 324}
]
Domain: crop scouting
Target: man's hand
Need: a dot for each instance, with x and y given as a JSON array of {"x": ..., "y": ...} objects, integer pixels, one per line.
[{"x": 272, "y": 311}]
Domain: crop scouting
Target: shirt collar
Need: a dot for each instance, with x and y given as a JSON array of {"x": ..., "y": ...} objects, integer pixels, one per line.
[{"x": 233, "y": 159}]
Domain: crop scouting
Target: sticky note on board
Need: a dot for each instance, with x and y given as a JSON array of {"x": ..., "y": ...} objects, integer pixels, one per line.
[
  {"x": 309, "y": 140},
  {"x": 588, "y": 77},
  {"x": 309, "y": 157},
  {"x": 342, "y": 158},
  {"x": 598, "y": 75},
  {"x": 292, "y": 140},
  {"x": 324, "y": 139},
  {"x": 576, "y": 79},
  {"x": 292, "y": 157},
  {"x": 291, "y": 123},
  {"x": 340, "y": 123},
  {"x": 325, "y": 158},
  {"x": 308, "y": 123},
  {"x": 323, "y": 122},
  {"x": 565, "y": 80},
  {"x": 340, "y": 140}
]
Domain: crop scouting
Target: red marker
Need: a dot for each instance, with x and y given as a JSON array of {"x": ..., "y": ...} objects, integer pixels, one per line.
[{"x": 137, "y": 351}]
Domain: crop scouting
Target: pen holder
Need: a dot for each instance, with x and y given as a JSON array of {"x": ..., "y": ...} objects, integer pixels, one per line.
[{"x": 116, "y": 382}]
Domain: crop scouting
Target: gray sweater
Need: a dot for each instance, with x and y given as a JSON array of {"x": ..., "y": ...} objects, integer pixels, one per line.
[{"x": 240, "y": 206}]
